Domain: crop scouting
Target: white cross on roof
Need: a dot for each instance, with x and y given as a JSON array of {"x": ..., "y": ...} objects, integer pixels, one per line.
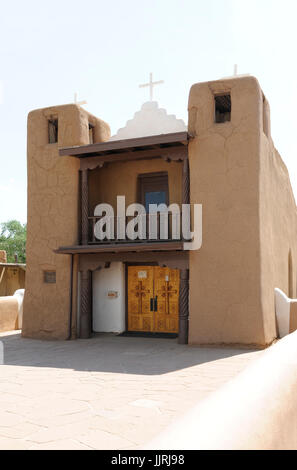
[
  {"x": 78, "y": 102},
  {"x": 151, "y": 85}
]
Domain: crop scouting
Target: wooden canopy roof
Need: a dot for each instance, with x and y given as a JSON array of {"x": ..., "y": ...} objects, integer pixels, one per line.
[{"x": 156, "y": 142}]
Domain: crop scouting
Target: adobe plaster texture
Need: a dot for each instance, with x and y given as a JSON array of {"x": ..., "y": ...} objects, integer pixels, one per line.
[
  {"x": 53, "y": 185},
  {"x": 9, "y": 309},
  {"x": 249, "y": 217}
]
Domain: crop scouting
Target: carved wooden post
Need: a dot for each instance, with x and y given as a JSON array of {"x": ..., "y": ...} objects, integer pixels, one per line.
[
  {"x": 85, "y": 305},
  {"x": 84, "y": 207},
  {"x": 186, "y": 181},
  {"x": 184, "y": 307},
  {"x": 184, "y": 273}
]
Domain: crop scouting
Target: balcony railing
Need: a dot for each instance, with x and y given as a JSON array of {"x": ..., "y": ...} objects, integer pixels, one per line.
[{"x": 150, "y": 228}]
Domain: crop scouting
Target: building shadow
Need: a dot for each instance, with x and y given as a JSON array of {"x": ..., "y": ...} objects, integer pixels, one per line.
[{"x": 112, "y": 354}]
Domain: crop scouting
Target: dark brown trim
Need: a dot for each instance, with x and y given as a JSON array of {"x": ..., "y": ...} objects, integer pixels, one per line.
[
  {"x": 85, "y": 305},
  {"x": 184, "y": 307},
  {"x": 171, "y": 259},
  {"x": 111, "y": 146},
  {"x": 186, "y": 182},
  {"x": 69, "y": 336},
  {"x": 126, "y": 296},
  {"x": 168, "y": 154},
  {"x": 79, "y": 209},
  {"x": 84, "y": 207},
  {"x": 122, "y": 248}
]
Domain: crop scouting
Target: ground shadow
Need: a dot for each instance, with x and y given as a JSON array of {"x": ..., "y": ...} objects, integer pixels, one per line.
[{"x": 111, "y": 353}]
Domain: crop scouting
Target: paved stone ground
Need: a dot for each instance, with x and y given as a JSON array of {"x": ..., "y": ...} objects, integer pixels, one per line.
[{"x": 108, "y": 392}]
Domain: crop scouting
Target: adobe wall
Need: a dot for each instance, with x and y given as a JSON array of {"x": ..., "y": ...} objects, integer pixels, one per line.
[
  {"x": 9, "y": 311},
  {"x": 278, "y": 228},
  {"x": 12, "y": 280},
  {"x": 53, "y": 215},
  {"x": 254, "y": 411},
  {"x": 225, "y": 275},
  {"x": 249, "y": 218}
]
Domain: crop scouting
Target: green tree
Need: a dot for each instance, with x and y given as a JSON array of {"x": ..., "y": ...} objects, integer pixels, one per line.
[{"x": 13, "y": 236}]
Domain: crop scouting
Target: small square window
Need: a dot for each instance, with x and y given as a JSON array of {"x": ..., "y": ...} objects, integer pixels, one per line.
[
  {"x": 222, "y": 108},
  {"x": 49, "y": 277},
  {"x": 53, "y": 131},
  {"x": 91, "y": 133}
]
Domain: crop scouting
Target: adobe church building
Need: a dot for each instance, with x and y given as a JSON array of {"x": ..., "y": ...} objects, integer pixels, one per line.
[{"x": 219, "y": 293}]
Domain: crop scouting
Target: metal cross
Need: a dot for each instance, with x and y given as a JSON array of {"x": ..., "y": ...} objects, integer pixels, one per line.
[
  {"x": 151, "y": 85},
  {"x": 141, "y": 291},
  {"x": 167, "y": 291}
]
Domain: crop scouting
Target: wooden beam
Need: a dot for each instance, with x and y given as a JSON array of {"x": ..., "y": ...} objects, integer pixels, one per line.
[
  {"x": 2, "y": 274},
  {"x": 80, "y": 151},
  {"x": 121, "y": 248},
  {"x": 84, "y": 207},
  {"x": 171, "y": 153},
  {"x": 186, "y": 182}
]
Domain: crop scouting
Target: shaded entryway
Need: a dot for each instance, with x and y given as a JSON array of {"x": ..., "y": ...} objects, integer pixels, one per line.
[{"x": 103, "y": 303}]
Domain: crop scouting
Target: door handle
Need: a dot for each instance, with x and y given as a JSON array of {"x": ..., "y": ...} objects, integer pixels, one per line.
[
  {"x": 156, "y": 304},
  {"x": 152, "y": 304}
]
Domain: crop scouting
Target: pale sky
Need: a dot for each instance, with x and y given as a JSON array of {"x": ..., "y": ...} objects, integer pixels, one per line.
[{"x": 104, "y": 50}]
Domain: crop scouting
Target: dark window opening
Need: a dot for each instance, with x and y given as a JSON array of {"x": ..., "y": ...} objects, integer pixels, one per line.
[
  {"x": 265, "y": 117},
  {"x": 91, "y": 133},
  {"x": 153, "y": 189},
  {"x": 222, "y": 108},
  {"x": 53, "y": 131},
  {"x": 49, "y": 277}
]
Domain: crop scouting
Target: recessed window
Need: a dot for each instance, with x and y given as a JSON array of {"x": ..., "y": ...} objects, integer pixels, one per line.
[
  {"x": 53, "y": 131},
  {"x": 222, "y": 108},
  {"x": 49, "y": 277},
  {"x": 153, "y": 189},
  {"x": 91, "y": 133}
]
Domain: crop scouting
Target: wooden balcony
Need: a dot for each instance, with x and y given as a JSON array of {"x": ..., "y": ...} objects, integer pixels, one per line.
[
  {"x": 170, "y": 147},
  {"x": 152, "y": 228}
]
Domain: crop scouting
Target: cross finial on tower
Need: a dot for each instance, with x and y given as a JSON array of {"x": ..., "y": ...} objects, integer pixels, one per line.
[
  {"x": 235, "y": 69},
  {"x": 151, "y": 84},
  {"x": 78, "y": 102}
]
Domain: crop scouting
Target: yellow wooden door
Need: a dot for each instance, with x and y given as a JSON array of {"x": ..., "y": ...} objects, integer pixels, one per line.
[
  {"x": 166, "y": 291},
  {"x": 140, "y": 295},
  {"x": 153, "y": 299}
]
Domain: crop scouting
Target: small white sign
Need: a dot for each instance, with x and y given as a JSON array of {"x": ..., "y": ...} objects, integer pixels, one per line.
[
  {"x": 111, "y": 294},
  {"x": 142, "y": 274},
  {"x": 166, "y": 278}
]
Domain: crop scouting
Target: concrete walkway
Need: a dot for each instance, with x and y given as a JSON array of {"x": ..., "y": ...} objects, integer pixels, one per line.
[{"x": 108, "y": 392}]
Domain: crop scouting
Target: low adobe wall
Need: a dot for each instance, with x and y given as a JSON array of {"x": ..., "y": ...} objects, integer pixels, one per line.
[
  {"x": 256, "y": 410},
  {"x": 9, "y": 311}
]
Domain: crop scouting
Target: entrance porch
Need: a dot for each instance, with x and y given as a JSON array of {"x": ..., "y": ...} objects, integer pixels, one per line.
[{"x": 108, "y": 300}]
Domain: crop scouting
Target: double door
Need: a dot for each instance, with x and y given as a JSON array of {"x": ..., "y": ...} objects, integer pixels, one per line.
[{"x": 153, "y": 299}]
